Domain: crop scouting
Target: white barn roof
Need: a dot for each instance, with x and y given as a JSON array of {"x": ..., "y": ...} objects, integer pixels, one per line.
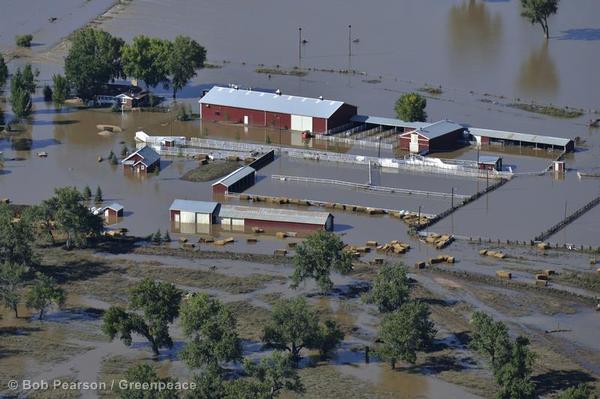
[
  {"x": 524, "y": 137},
  {"x": 271, "y": 102},
  {"x": 274, "y": 214},
  {"x": 193, "y": 206}
]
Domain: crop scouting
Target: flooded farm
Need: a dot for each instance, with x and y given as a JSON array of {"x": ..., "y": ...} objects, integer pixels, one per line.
[{"x": 519, "y": 241}]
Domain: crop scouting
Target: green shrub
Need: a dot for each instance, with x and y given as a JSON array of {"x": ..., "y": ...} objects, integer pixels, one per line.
[{"x": 24, "y": 40}]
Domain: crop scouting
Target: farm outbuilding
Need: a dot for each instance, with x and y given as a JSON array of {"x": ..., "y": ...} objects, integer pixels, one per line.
[
  {"x": 490, "y": 162},
  {"x": 240, "y": 217},
  {"x": 144, "y": 160},
  {"x": 489, "y": 136},
  {"x": 259, "y": 108},
  {"x": 438, "y": 136},
  {"x": 193, "y": 212},
  {"x": 113, "y": 211},
  {"x": 235, "y": 182}
]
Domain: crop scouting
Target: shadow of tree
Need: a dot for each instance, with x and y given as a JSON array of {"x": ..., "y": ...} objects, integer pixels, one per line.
[
  {"x": 436, "y": 365},
  {"x": 76, "y": 271},
  {"x": 557, "y": 380},
  {"x": 120, "y": 245}
]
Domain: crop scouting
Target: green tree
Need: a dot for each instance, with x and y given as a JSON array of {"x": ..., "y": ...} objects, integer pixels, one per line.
[
  {"x": 185, "y": 57},
  {"x": 146, "y": 374},
  {"x": 491, "y": 339},
  {"x": 404, "y": 332},
  {"x": 538, "y": 12},
  {"x": 20, "y": 97},
  {"x": 266, "y": 379},
  {"x": 124, "y": 151},
  {"x": 3, "y": 71},
  {"x": 16, "y": 238},
  {"x": 93, "y": 60},
  {"x": 514, "y": 377},
  {"x": 43, "y": 293},
  {"x": 23, "y": 40},
  {"x": 329, "y": 338},
  {"x": 60, "y": 91},
  {"x": 210, "y": 384},
  {"x": 28, "y": 79},
  {"x": 72, "y": 218},
  {"x": 87, "y": 193},
  {"x": 146, "y": 59},
  {"x": 157, "y": 238},
  {"x": 295, "y": 326},
  {"x": 167, "y": 238},
  {"x": 212, "y": 333},
  {"x": 317, "y": 256},
  {"x": 410, "y": 107},
  {"x": 12, "y": 277},
  {"x": 581, "y": 391},
  {"x": 98, "y": 196},
  {"x": 391, "y": 288},
  {"x": 154, "y": 306}
]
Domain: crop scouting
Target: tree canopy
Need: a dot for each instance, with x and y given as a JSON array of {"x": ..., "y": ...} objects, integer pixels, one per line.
[
  {"x": 405, "y": 331},
  {"x": 3, "y": 71},
  {"x": 93, "y": 60},
  {"x": 12, "y": 277},
  {"x": 212, "y": 331},
  {"x": 317, "y": 256},
  {"x": 185, "y": 57},
  {"x": 20, "y": 92},
  {"x": 538, "y": 12},
  {"x": 43, "y": 293},
  {"x": 146, "y": 58},
  {"x": 154, "y": 306},
  {"x": 391, "y": 288},
  {"x": 146, "y": 374},
  {"x": 294, "y": 326},
  {"x": 16, "y": 238},
  {"x": 60, "y": 90},
  {"x": 410, "y": 107},
  {"x": 581, "y": 391}
]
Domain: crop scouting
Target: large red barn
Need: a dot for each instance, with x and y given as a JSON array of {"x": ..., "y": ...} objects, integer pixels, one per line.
[{"x": 259, "y": 108}]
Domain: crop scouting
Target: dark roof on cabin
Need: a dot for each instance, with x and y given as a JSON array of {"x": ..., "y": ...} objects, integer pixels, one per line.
[
  {"x": 148, "y": 155},
  {"x": 235, "y": 176}
]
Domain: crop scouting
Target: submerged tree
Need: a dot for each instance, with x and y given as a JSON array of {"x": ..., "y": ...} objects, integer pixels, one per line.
[
  {"x": 154, "y": 306},
  {"x": 410, "y": 107},
  {"x": 406, "y": 331},
  {"x": 60, "y": 90},
  {"x": 317, "y": 256},
  {"x": 93, "y": 60},
  {"x": 146, "y": 58},
  {"x": 538, "y": 12},
  {"x": 43, "y": 293},
  {"x": 185, "y": 57}
]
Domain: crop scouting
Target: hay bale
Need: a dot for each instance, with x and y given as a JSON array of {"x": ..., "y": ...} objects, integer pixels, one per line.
[
  {"x": 543, "y": 245},
  {"x": 363, "y": 250},
  {"x": 208, "y": 240},
  {"x": 257, "y": 230},
  {"x": 549, "y": 272},
  {"x": 188, "y": 245},
  {"x": 220, "y": 243},
  {"x": 500, "y": 255},
  {"x": 280, "y": 252},
  {"x": 541, "y": 276},
  {"x": 371, "y": 243},
  {"x": 433, "y": 261},
  {"x": 281, "y": 235},
  {"x": 450, "y": 259},
  {"x": 233, "y": 158},
  {"x": 244, "y": 197},
  {"x": 183, "y": 239},
  {"x": 483, "y": 252},
  {"x": 229, "y": 240},
  {"x": 541, "y": 283},
  {"x": 4, "y": 200},
  {"x": 377, "y": 261},
  {"x": 248, "y": 160},
  {"x": 504, "y": 274},
  {"x": 251, "y": 240},
  {"x": 292, "y": 244}
]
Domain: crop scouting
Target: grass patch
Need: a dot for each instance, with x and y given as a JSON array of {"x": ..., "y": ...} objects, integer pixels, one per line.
[
  {"x": 279, "y": 71},
  {"x": 589, "y": 281},
  {"x": 558, "y": 112},
  {"x": 202, "y": 279},
  {"x": 210, "y": 171},
  {"x": 250, "y": 319}
]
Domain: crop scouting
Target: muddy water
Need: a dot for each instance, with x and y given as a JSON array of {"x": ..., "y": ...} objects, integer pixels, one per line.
[{"x": 465, "y": 42}]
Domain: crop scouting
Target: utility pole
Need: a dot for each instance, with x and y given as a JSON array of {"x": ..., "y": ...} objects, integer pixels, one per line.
[
  {"x": 349, "y": 40},
  {"x": 370, "y": 179},
  {"x": 379, "y": 148},
  {"x": 565, "y": 209},
  {"x": 452, "y": 199},
  {"x": 299, "y": 47}
]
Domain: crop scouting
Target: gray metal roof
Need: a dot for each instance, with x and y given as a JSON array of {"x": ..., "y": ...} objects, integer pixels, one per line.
[
  {"x": 273, "y": 214},
  {"x": 529, "y": 138},
  {"x": 382, "y": 121},
  {"x": 271, "y": 102},
  {"x": 488, "y": 159},
  {"x": 236, "y": 176},
  {"x": 115, "y": 207},
  {"x": 147, "y": 153},
  {"x": 193, "y": 206},
  {"x": 438, "y": 129}
]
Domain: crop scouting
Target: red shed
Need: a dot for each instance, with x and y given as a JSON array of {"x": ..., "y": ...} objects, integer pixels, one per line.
[
  {"x": 276, "y": 110},
  {"x": 438, "y": 136}
]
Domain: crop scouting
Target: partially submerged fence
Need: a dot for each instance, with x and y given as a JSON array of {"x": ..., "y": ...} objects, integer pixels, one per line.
[{"x": 568, "y": 219}]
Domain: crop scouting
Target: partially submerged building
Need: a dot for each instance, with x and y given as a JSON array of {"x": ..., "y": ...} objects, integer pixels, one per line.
[
  {"x": 113, "y": 211},
  {"x": 438, "y": 136},
  {"x": 129, "y": 100},
  {"x": 235, "y": 182},
  {"x": 489, "y": 136},
  {"x": 276, "y": 110},
  {"x": 233, "y": 217},
  {"x": 489, "y": 162},
  {"x": 145, "y": 160}
]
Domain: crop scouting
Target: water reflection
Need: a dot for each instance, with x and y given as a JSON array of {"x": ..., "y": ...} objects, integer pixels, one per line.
[
  {"x": 474, "y": 32},
  {"x": 538, "y": 74}
]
